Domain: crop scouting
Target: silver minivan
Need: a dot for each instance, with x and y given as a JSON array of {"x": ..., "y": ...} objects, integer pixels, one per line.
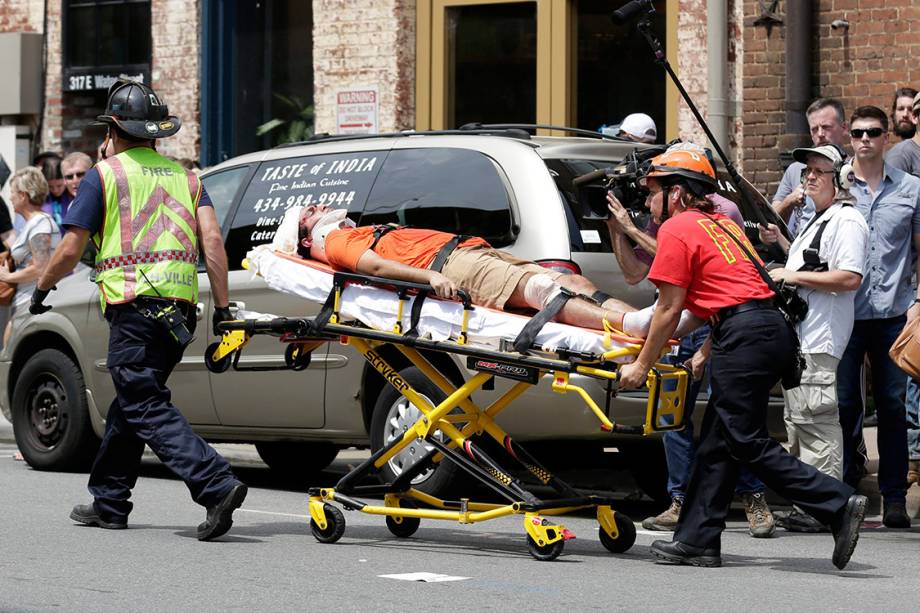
[{"x": 506, "y": 186}]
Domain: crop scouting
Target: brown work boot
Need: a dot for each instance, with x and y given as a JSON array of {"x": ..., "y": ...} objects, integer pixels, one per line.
[
  {"x": 913, "y": 472},
  {"x": 666, "y": 520},
  {"x": 759, "y": 517}
]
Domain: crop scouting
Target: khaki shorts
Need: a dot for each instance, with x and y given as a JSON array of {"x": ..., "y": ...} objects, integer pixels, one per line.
[{"x": 490, "y": 275}]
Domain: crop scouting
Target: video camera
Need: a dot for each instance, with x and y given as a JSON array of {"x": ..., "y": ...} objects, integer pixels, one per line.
[{"x": 622, "y": 180}]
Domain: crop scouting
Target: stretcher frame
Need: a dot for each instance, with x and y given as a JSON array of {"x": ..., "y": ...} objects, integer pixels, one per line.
[{"x": 457, "y": 418}]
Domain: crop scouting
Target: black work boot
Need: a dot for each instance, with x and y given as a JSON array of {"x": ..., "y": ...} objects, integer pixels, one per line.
[
  {"x": 846, "y": 529},
  {"x": 895, "y": 515},
  {"x": 87, "y": 514},
  {"x": 220, "y": 516},
  {"x": 675, "y": 552}
]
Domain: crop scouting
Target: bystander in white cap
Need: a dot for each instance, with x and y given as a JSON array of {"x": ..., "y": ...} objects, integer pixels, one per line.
[{"x": 639, "y": 127}]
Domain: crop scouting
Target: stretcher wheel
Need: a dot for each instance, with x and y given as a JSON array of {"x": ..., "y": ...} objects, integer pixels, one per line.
[
  {"x": 624, "y": 540},
  {"x": 403, "y": 527},
  {"x": 296, "y": 358},
  {"x": 218, "y": 366},
  {"x": 335, "y": 525},
  {"x": 545, "y": 553}
]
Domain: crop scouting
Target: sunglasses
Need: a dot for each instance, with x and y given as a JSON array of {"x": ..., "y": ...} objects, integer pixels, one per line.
[
  {"x": 872, "y": 132},
  {"x": 75, "y": 175}
]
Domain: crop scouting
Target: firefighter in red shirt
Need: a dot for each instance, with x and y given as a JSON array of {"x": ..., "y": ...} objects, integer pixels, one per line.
[{"x": 700, "y": 267}]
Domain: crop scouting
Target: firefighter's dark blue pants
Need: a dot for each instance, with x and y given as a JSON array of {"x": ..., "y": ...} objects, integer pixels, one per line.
[
  {"x": 141, "y": 357},
  {"x": 750, "y": 352}
]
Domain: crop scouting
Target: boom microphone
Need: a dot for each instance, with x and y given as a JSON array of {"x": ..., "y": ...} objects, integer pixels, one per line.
[{"x": 629, "y": 10}]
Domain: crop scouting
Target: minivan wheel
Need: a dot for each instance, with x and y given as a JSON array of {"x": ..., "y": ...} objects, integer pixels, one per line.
[
  {"x": 393, "y": 416},
  {"x": 296, "y": 457},
  {"x": 50, "y": 414}
]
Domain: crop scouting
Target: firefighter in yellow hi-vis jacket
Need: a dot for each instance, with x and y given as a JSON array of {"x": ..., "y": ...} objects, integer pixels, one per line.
[{"x": 146, "y": 215}]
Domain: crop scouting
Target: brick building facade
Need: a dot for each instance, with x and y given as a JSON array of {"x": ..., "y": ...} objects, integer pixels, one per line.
[
  {"x": 862, "y": 64},
  {"x": 358, "y": 43}
]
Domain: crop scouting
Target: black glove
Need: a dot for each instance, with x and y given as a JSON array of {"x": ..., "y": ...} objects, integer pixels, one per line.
[
  {"x": 38, "y": 297},
  {"x": 220, "y": 314}
]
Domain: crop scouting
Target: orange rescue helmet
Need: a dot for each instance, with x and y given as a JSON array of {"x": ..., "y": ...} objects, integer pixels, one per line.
[{"x": 683, "y": 166}]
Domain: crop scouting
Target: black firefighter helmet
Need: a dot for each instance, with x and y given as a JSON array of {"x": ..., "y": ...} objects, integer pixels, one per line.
[{"x": 136, "y": 109}]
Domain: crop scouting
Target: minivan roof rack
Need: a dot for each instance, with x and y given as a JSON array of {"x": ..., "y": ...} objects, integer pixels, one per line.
[
  {"x": 325, "y": 137},
  {"x": 540, "y": 126}
]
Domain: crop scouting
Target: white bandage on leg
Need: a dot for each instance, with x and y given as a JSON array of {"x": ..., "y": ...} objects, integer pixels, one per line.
[
  {"x": 539, "y": 290},
  {"x": 637, "y": 323}
]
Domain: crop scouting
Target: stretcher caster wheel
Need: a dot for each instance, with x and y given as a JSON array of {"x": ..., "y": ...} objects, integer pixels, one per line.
[
  {"x": 335, "y": 525},
  {"x": 544, "y": 553},
  {"x": 624, "y": 540},
  {"x": 403, "y": 527},
  {"x": 217, "y": 366},
  {"x": 296, "y": 358}
]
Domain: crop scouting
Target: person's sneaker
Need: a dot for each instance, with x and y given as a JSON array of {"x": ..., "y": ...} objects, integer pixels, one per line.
[
  {"x": 667, "y": 520},
  {"x": 797, "y": 521},
  {"x": 220, "y": 516},
  {"x": 846, "y": 529},
  {"x": 87, "y": 514},
  {"x": 676, "y": 552},
  {"x": 760, "y": 519},
  {"x": 895, "y": 515},
  {"x": 913, "y": 472}
]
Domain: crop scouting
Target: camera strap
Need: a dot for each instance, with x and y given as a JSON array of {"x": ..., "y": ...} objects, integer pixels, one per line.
[
  {"x": 782, "y": 301},
  {"x": 750, "y": 256}
]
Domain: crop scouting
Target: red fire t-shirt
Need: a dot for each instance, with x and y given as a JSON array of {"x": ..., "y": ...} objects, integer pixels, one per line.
[{"x": 696, "y": 254}]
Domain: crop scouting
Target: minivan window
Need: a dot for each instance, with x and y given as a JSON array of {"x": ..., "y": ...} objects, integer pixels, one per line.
[
  {"x": 587, "y": 235},
  {"x": 341, "y": 180},
  {"x": 460, "y": 191},
  {"x": 222, "y": 188}
]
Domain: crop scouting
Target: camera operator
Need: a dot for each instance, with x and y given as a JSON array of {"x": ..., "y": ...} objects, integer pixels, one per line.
[
  {"x": 635, "y": 259},
  {"x": 700, "y": 265},
  {"x": 826, "y": 262}
]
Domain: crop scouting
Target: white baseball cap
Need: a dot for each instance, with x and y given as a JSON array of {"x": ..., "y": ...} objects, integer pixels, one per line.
[
  {"x": 831, "y": 152},
  {"x": 640, "y": 126}
]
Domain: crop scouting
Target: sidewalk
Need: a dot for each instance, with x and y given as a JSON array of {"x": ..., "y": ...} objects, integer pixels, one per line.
[{"x": 868, "y": 486}]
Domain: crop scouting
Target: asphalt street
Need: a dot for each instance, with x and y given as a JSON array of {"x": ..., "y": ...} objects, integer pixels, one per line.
[{"x": 270, "y": 561}]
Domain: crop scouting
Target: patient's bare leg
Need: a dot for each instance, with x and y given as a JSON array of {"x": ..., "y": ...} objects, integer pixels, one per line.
[
  {"x": 583, "y": 285},
  {"x": 577, "y": 311}
]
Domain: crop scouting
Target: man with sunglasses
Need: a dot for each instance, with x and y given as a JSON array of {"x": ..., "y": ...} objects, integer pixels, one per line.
[
  {"x": 74, "y": 167},
  {"x": 886, "y": 301},
  {"x": 828, "y": 126}
]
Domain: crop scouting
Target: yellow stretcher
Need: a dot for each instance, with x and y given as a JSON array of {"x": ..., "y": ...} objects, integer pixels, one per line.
[{"x": 458, "y": 420}]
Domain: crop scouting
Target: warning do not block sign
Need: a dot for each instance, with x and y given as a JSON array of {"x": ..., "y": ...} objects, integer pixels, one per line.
[{"x": 357, "y": 111}]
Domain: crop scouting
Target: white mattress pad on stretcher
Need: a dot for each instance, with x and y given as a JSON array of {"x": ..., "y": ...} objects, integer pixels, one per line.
[{"x": 440, "y": 320}]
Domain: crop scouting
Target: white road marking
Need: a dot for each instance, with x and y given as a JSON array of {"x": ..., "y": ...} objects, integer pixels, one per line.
[{"x": 424, "y": 577}]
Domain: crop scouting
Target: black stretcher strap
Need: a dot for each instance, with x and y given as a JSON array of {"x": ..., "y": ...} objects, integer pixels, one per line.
[
  {"x": 381, "y": 230},
  {"x": 414, "y": 316},
  {"x": 529, "y": 332},
  {"x": 600, "y": 297},
  {"x": 444, "y": 252},
  {"x": 325, "y": 313}
]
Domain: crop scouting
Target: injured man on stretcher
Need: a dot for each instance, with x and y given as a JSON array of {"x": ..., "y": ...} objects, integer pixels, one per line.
[{"x": 446, "y": 262}]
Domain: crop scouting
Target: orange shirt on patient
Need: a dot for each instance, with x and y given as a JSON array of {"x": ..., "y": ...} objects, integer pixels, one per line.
[{"x": 412, "y": 246}]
